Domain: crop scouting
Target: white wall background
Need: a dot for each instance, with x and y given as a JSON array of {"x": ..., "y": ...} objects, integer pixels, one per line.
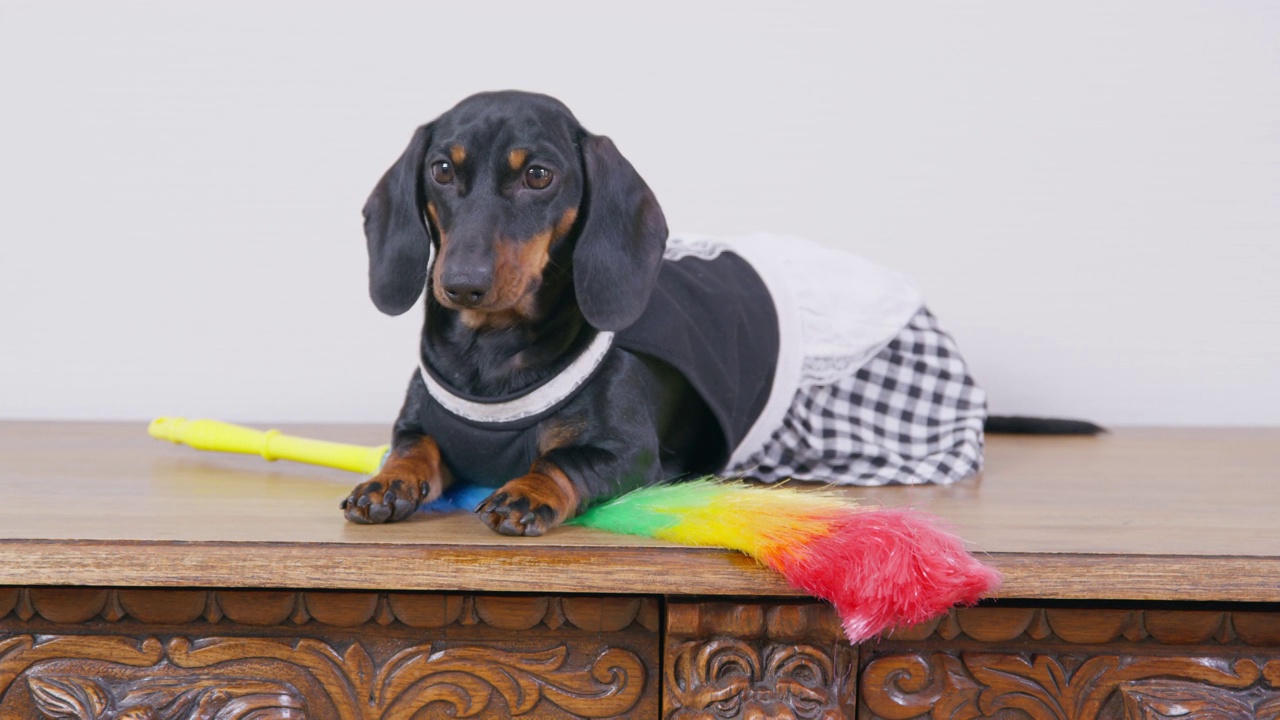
[{"x": 1088, "y": 192}]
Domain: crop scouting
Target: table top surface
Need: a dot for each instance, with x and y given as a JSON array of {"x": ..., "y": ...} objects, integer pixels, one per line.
[{"x": 1164, "y": 514}]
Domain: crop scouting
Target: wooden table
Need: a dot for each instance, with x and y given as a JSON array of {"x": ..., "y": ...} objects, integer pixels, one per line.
[{"x": 1142, "y": 579}]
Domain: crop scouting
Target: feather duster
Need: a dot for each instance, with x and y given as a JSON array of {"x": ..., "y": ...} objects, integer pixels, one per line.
[{"x": 880, "y": 567}]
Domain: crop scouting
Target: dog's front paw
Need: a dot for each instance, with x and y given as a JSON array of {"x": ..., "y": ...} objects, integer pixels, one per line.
[
  {"x": 412, "y": 475},
  {"x": 382, "y": 499},
  {"x": 529, "y": 505}
]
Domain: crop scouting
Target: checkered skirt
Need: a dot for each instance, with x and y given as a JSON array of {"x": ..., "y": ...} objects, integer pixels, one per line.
[{"x": 911, "y": 415}]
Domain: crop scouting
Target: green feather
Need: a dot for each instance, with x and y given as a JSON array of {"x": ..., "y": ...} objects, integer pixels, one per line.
[{"x": 648, "y": 511}]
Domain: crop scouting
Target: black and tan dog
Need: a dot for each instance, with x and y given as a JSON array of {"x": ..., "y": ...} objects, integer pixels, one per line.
[
  {"x": 563, "y": 361},
  {"x": 543, "y": 235}
]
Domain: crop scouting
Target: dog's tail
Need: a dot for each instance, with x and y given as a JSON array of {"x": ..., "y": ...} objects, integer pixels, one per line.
[{"x": 1018, "y": 425}]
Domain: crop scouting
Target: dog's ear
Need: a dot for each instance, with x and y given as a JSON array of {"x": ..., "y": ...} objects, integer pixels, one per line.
[
  {"x": 397, "y": 234},
  {"x": 620, "y": 243}
]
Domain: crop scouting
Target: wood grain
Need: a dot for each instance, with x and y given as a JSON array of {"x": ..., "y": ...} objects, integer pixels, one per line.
[
  {"x": 1171, "y": 514},
  {"x": 1136, "y": 491}
]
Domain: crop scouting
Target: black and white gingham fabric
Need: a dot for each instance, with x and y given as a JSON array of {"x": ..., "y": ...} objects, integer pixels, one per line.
[{"x": 910, "y": 415}]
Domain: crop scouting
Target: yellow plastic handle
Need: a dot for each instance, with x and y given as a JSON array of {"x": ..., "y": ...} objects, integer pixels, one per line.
[{"x": 272, "y": 444}]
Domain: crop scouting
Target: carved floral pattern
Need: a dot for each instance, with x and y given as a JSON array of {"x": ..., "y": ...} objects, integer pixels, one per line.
[
  {"x": 463, "y": 678},
  {"x": 121, "y": 654},
  {"x": 972, "y": 684},
  {"x": 113, "y": 678},
  {"x": 125, "y": 654},
  {"x": 71, "y": 697},
  {"x": 775, "y": 660},
  {"x": 1166, "y": 699},
  {"x": 729, "y": 678},
  {"x": 1067, "y": 663}
]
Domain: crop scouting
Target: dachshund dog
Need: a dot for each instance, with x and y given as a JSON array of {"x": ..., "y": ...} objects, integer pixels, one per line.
[
  {"x": 539, "y": 236},
  {"x": 572, "y": 351}
]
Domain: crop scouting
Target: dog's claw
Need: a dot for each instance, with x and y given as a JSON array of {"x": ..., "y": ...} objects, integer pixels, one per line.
[
  {"x": 378, "y": 502},
  {"x": 509, "y": 514}
]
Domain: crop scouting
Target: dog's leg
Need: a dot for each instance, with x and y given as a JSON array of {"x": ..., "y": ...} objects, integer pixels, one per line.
[
  {"x": 603, "y": 443},
  {"x": 412, "y": 475},
  {"x": 532, "y": 503}
]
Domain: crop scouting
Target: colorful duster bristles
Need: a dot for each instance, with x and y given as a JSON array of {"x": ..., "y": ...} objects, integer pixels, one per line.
[{"x": 880, "y": 567}]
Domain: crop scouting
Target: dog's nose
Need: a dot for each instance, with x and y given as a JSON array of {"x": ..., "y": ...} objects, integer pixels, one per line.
[{"x": 466, "y": 292}]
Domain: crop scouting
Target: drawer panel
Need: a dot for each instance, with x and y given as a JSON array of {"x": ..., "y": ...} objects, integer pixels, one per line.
[
  {"x": 1077, "y": 662},
  {"x": 160, "y": 654}
]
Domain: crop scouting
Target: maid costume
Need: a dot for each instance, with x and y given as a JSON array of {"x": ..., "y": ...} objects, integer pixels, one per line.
[{"x": 817, "y": 365}]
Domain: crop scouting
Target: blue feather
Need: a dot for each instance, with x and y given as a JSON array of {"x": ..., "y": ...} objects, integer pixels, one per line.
[{"x": 459, "y": 496}]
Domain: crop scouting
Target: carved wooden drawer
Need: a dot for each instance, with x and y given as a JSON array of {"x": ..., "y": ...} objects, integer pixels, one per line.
[
  {"x": 755, "y": 659},
  {"x": 1071, "y": 663},
  {"x": 127, "y": 654}
]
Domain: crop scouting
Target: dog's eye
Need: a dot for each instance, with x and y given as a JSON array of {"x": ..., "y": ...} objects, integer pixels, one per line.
[
  {"x": 442, "y": 172},
  {"x": 537, "y": 177}
]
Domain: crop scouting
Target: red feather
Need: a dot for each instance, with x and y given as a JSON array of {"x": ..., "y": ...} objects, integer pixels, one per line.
[{"x": 884, "y": 568}]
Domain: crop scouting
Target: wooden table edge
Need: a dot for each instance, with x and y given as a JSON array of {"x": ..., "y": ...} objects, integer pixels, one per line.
[{"x": 598, "y": 570}]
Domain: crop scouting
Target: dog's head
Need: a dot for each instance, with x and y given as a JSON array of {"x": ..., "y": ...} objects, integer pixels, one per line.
[{"x": 499, "y": 185}]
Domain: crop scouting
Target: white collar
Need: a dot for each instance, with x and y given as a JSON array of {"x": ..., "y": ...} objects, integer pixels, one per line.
[
  {"x": 539, "y": 400},
  {"x": 536, "y": 401}
]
